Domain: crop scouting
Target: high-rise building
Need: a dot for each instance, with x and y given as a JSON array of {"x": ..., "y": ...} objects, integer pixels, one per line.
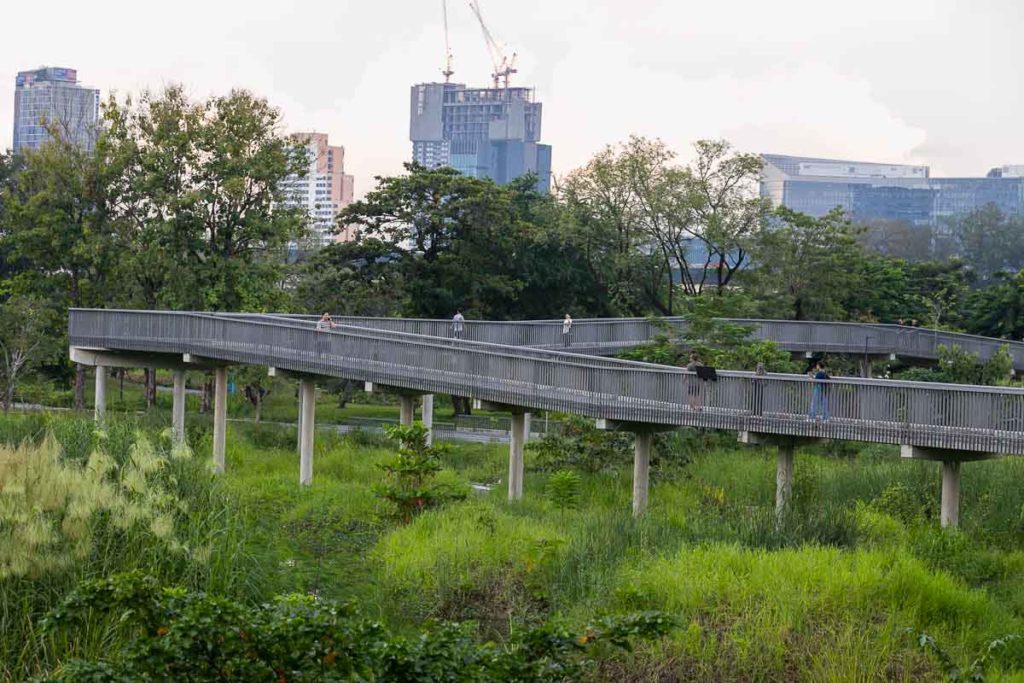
[
  {"x": 482, "y": 132},
  {"x": 324, "y": 191},
  {"x": 872, "y": 191},
  {"x": 52, "y": 96}
]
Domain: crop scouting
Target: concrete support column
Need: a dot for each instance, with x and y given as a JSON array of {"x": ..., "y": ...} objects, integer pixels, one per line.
[
  {"x": 406, "y": 406},
  {"x": 307, "y": 425},
  {"x": 950, "y": 516},
  {"x": 783, "y": 480},
  {"x": 642, "y": 442},
  {"x": 517, "y": 439},
  {"x": 101, "y": 395},
  {"x": 178, "y": 407},
  {"x": 528, "y": 418},
  {"x": 298, "y": 437},
  {"x": 220, "y": 417},
  {"x": 428, "y": 417}
]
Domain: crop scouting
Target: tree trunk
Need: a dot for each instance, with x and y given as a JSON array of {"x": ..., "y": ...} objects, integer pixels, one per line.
[
  {"x": 79, "y": 387},
  {"x": 9, "y": 395},
  {"x": 150, "y": 388},
  {"x": 204, "y": 404},
  {"x": 259, "y": 405}
]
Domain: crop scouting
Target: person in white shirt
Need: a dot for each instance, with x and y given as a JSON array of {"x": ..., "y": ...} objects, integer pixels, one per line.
[
  {"x": 566, "y": 330},
  {"x": 458, "y": 324}
]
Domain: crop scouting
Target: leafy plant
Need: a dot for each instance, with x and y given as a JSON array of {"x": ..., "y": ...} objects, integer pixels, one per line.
[
  {"x": 580, "y": 446},
  {"x": 174, "y": 634},
  {"x": 408, "y": 482},
  {"x": 563, "y": 489},
  {"x": 975, "y": 671}
]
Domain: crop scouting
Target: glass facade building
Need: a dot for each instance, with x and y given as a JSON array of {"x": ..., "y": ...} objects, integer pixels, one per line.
[
  {"x": 871, "y": 191},
  {"x": 482, "y": 132},
  {"x": 52, "y": 96}
]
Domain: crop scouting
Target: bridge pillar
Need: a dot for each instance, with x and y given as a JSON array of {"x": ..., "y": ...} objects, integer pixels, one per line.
[
  {"x": 950, "y": 512},
  {"x": 949, "y": 515},
  {"x": 406, "y": 409},
  {"x": 307, "y": 427},
  {"x": 527, "y": 424},
  {"x": 407, "y": 406},
  {"x": 516, "y": 465},
  {"x": 516, "y": 444},
  {"x": 220, "y": 417},
  {"x": 100, "y": 408},
  {"x": 643, "y": 441},
  {"x": 178, "y": 407},
  {"x": 784, "y": 467},
  {"x": 427, "y": 416}
]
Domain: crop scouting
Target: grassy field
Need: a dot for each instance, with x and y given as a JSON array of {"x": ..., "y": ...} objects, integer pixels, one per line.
[{"x": 840, "y": 590}]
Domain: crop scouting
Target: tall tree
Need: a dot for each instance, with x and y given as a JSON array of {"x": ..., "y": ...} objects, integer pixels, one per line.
[
  {"x": 60, "y": 228},
  {"x": 805, "y": 266},
  {"x": 203, "y": 197},
  {"x": 988, "y": 239},
  {"x": 998, "y": 310}
]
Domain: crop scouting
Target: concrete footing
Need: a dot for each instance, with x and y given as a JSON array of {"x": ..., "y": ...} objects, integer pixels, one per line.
[
  {"x": 178, "y": 407},
  {"x": 220, "y": 417},
  {"x": 307, "y": 427},
  {"x": 100, "y": 407}
]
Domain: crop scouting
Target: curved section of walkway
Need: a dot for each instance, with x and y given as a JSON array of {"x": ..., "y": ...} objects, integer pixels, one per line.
[
  {"x": 940, "y": 416},
  {"x": 610, "y": 335}
]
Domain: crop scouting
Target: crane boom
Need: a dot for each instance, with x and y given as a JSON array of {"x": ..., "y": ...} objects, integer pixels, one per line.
[
  {"x": 504, "y": 66},
  {"x": 447, "y": 71}
]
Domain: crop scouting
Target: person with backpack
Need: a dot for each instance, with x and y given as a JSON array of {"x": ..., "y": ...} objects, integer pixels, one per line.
[{"x": 819, "y": 393}]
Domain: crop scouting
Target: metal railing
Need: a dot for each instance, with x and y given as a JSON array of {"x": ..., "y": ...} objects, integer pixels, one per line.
[
  {"x": 943, "y": 416},
  {"x": 608, "y": 335}
]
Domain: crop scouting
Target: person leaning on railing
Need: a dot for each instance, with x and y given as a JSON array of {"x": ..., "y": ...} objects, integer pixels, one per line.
[{"x": 324, "y": 324}]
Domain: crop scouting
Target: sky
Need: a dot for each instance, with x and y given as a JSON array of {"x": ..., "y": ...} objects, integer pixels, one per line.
[{"x": 934, "y": 82}]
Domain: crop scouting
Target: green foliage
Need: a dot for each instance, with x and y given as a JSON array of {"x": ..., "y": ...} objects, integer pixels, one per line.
[
  {"x": 563, "y": 488},
  {"x": 959, "y": 366},
  {"x": 973, "y": 672},
  {"x": 581, "y": 446},
  {"x": 408, "y": 483},
  {"x": 171, "y": 633}
]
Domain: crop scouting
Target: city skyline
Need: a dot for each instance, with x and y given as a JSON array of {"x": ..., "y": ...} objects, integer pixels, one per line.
[{"x": 928, "y": 83}]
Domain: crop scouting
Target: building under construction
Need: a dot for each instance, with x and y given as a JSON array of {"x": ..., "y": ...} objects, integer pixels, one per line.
[{"x": 482, "y": 132}]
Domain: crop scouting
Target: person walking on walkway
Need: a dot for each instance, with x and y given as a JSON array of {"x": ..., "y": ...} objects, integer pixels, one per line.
[
  {"x": 819, "y": 393},
  {"x": 566, "y": 330},
  {"x": 693, "y": 387},
  {"x": 757, "y": 398},
  {"x": 458, "y": 324}
]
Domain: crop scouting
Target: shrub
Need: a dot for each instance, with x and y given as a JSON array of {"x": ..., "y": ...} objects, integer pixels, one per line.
[
  {"x": 581, "y": 446},
  {"x": 563, "y": 488},
  {"x": 172, "y": 634},
  {"x": 408, "y": 483}
]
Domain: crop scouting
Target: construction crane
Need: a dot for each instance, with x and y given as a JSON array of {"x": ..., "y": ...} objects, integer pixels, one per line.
[
  {"x": 447, "y": 70},
  {"x": 504, "y": 66}
]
